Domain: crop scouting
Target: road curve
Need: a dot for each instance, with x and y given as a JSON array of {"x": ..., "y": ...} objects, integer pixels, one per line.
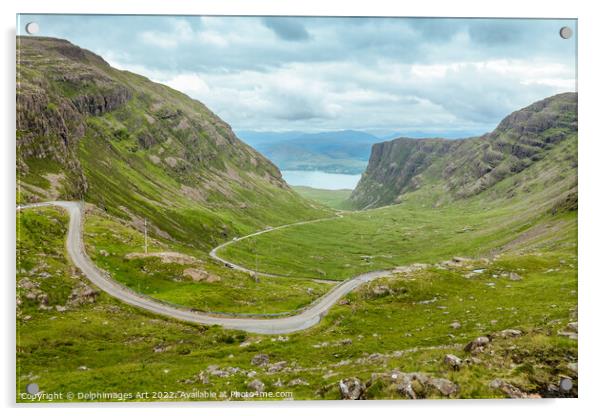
[
  {"x": 215, "y": 256},
  {"x": 303, "y": 320}
]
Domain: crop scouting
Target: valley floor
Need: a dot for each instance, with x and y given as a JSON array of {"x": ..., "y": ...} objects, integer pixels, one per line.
[{"x": 387, "y": 339}]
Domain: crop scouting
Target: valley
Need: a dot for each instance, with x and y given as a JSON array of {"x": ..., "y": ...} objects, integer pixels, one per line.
[{"x": 181, "y": 260}]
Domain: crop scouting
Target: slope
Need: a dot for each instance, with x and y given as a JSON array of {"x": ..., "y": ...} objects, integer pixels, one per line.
[{"x": 138, "y": 150}]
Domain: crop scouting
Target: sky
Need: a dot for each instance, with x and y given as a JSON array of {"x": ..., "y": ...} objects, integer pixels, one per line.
[{"x": 381, "y": 75}]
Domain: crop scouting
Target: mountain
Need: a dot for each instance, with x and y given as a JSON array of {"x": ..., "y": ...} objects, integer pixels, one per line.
[
  {"x": 442, "y": 169},
  {"x": 138, "y": 149},
  {"x": 345, "y": 151}
]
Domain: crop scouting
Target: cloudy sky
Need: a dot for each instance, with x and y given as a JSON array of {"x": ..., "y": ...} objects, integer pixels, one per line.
[{"x": 446, "y": 76}]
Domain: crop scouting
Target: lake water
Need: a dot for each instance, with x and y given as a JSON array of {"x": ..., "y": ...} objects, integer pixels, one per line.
[{"x": 320, "y": 180}]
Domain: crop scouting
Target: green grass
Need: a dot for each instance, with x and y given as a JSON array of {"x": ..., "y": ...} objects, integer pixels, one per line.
[
  {"x": 116, "y": 343},
  {"x": 336, "y": 199},
  {"x": 215, "y": 188},
  {"x": 159, "y": 155},
  {"x": 422, "y": 228},
  {"x": 108, "y": 242}
]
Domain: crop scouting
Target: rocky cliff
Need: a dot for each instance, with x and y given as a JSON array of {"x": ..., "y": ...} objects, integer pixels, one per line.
[{"x": 467, "y": 167}]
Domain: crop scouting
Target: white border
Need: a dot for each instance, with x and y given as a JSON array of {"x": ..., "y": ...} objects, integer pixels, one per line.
[{"x": 590, "y": 153}]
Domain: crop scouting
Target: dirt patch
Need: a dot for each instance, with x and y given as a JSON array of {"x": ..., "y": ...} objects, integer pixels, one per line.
[
  {"x": 200, "y": 275},
  {"x": 56, "y": 184},
  {"x": 193, "y": 193},
  {"x": 532, "y": 235},
  {"x": 173, "y": 161},
  {"x": 166, "y": 257}
]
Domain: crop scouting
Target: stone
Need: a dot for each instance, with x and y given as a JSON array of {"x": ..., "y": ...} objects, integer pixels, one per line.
[
  {"x": 510, "y": 333},
  {"x": 274, "y": 368},
  {"x": 352, "y": 389},
  {"x": 455, "y": 325},
  {"x": 445, "y": 387},
  {"x": 514, "y": 276},
  {"x": 161, "y": 348},
  {"x": 571, "y": 330},
  {"x": 256, "y": 385},
  {"x": 508, "y": 389},
  {"x": 297, "y": 382},
  {"x": 452, "y": 361},
  {"x": 477, "y": 345},
  {"x": 260, "y": 360},
  {"x": 381, "y": 290}
]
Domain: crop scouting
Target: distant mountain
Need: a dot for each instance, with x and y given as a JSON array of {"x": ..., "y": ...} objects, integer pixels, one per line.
[
  {"x": 138, "y": 149},
  {"x": 542, "y": 134},
  {"x": 345, "y": 151}
]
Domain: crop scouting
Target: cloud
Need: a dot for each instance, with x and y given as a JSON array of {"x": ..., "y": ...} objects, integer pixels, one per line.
[
  {"x": 286, "y": 28},
  {"x": 285, "y": 73}
]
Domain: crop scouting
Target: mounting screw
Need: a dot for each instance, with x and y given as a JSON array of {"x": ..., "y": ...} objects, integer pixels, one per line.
[{"x": 566, "y": 32}]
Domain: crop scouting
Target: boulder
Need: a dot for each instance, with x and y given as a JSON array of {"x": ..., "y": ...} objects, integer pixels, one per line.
[
  {"x": 274, "y": 368},
  {"x": 256, "y": 385},
  {"x": 420, "y": 385},
  {"x": 443, "y": 385},
  {"x": 352, "y": 389},
  {"x": 297, "y": 382},
  {"x": 508, "y": 389},
  {"x": 571, "y": 330},
  {"x": 260, "y": 360},
  {"x": 452, "y": 361},
  {"x": 381, "y": 290},
  {"x": 477, "y": 345},
  {"x": 510, "y": 333}
]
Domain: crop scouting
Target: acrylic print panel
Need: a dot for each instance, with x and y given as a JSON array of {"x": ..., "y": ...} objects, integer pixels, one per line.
[{"x": 249, "y": 208}]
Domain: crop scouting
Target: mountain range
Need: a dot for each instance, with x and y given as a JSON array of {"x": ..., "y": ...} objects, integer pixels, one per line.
[{"x": 344, "y": 151}]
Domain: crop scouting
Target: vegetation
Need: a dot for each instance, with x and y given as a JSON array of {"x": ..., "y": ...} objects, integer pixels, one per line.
[
  {"x": 336, "y": 199},
  {"x": 525, "y": 205},
  {"x": 482, "y": 243},
  {"x": 110, "y": 347},
  {"x": 188, "y": 277},
  {"x": 137, "y": 149}
]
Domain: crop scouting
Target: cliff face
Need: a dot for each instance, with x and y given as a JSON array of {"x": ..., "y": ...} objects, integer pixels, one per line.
[
  {"x": 88, "y": 131},
  {"x": 467, "y": 167},
  {"x": 396, "y": 167},
  {"x": 58, "y": 86}
]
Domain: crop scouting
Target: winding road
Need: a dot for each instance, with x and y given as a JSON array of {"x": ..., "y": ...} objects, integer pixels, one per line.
[{"x": 303, "y": 320}]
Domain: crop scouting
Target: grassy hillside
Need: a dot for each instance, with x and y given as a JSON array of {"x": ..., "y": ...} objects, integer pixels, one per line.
[
  {"x": 138, "y": 150},
  {"x": 73, "y": 338},
  {"x": 482, "y": 244},
  {"x": 538, "y": 202}
]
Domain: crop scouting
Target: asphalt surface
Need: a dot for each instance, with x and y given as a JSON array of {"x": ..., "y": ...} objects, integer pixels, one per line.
[{"x": 303, "y": 320}]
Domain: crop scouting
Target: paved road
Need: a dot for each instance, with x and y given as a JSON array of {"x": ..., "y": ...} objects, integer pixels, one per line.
[
  {"x": 214, "y": 255},
  {"x": 100, "y": 278}
]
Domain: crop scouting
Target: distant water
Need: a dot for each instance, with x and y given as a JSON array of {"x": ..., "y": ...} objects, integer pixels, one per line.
[{"x": 320, "y": 180}]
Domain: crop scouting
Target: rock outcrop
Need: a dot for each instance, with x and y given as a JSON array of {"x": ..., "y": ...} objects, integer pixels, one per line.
[{"x": 466, "y": 167}]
